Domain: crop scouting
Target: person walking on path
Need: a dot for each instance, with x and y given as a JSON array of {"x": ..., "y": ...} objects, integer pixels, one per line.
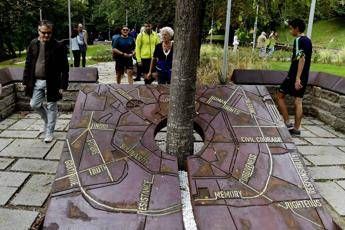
[
  {"x": 82, "y": 41},
  {"x": 163, "y": 57},
  {"x": 123, "y": 50},
  {"x": 262, "y": 45},
  {"x": 46, "y": 75},
  {"x": 296, "y": 82},
  {"x": 145, "y": 46},
  {"x": 75, "y": 48}
]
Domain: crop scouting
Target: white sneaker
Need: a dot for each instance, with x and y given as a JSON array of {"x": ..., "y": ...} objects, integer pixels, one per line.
[{"x": 49, "y": 138}]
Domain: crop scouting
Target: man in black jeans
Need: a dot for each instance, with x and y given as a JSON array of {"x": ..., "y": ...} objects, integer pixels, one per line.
[{"x": 296, "y": 82}]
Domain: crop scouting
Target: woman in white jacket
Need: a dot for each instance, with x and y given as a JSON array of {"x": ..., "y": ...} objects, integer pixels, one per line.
[{"x": 75, "y": 48}]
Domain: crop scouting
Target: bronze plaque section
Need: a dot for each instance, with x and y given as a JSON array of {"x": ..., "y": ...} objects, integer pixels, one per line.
[{"x": 248, "y": 175}]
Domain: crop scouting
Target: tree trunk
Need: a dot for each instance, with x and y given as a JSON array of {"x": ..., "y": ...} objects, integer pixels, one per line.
[{"x": 182, "y": 90}]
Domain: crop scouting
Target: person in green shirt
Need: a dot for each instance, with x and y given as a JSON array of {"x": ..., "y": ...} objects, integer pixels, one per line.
[{"x": 145, "y": 47}]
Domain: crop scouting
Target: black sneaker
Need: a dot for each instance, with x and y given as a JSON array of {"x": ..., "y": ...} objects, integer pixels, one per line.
[
  {"x": 295, "y": 132},
  {"x": 136, "y": 79},
  {"x": 289, "y": 126}
]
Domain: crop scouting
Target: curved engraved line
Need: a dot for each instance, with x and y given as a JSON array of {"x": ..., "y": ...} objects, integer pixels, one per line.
[
  {"x": 270, "y": 158},
  {"x": 148, "y": 213},
  {"x": 305, "y": 218}
]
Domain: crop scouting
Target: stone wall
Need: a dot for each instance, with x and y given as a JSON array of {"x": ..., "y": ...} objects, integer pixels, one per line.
[
  {"x": 324, "y": 98},
  {"x": 13, "y": 96},
  {"x": 7, "y": 101}
]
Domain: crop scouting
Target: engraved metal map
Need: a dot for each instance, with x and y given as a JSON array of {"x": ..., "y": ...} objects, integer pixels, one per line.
[{"x": 248, "y": 174}]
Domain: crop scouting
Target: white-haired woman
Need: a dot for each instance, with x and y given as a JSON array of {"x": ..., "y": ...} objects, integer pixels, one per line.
[{"x": 162, "y": 57}]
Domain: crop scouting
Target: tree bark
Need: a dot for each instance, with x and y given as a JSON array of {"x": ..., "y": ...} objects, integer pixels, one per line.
[{"x": 182, "y": 90}]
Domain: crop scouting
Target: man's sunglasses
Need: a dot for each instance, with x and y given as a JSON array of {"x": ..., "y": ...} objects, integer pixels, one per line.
[
  {"x": 46, "y": 33},
  {"x": 124, "y": 29}
]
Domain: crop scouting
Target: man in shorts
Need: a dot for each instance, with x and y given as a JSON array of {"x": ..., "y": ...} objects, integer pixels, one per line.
[
  {"x": 123, "y": 51},
  {"x": 145, "y": 47},
  {"x": 296, "y": 82}
]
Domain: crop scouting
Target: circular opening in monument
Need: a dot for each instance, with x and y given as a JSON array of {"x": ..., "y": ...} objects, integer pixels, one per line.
[{"x": 161, "y": 136}]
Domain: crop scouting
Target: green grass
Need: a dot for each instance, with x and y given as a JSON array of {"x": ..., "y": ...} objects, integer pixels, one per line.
[
  {"x": 326, "y": 68},
  {"x": 15, "y": 62},
  {"x": 326, "y": 34}
]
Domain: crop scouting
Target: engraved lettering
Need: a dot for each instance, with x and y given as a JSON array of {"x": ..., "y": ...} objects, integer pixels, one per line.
[
  {"x": 144, "y": 198},
  {"x": 299, "y": 204},
  {"x": 96, "y": 170},
  {"x": 250, "y": 106},
  {"x": 124, "y": 94},
  {"x": 73, "y": 180},
  {"x": 228, "y": 194},
  {"x": 261, "y": 139},
  {"x": 142, "y": 157},
  {"x": 99, "y": 126},
  {"x": 248, "y": 168},
  {"x": 309, "y": 187},
  {"x": 91, "y": 143},
  {"x": 224, "y": 104}
]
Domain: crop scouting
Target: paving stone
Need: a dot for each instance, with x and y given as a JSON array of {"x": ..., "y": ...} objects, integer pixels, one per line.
[
  {"x": 55, "y": 152},
  {"x": 19, "y": 134},
  {"x": 306, "y": 133},
  {"x": 317, "y": 122},
  {"x": 334, "y": 195},
  {"x": 33, "y": 116},
  {"x": 31, "y": 165},
  {"x": 4, "y": 162},
  {"x": 306, "y": 122},
  {"x": 12, "y": 179},
  {"x": 37, "y": 125},
  {"x": 65, "y": 116},
  {"x": 6, "y": 193},
  {"x": 341, "y": 183},
  {"x": 331, "y": 130},
  {"x": 321, "y": 173},
  {"x": 4, "y": 143},
  {"x": 323, "y": 155},
  {"x": 299, "y": 141},
  {"x": 16, "y": 116},
  {"x": 22, "y": 124},
  {"x": 319, "y": 131},
  {"x": 35, "y": 191},
  {"x": 61, "y": 125},
  {"x": 27, "y": 148},
  {"x": 16, "y": 219},
  {"x": 7, "y": 123},
  {"x": 327, "y": 141},
  {"x": 306, "y": 162},
  {"x": 342, "y": 149}
]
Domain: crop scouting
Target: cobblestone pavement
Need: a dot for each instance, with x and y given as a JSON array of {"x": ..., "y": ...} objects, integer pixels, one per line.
[{"x": 28, "y": 165}]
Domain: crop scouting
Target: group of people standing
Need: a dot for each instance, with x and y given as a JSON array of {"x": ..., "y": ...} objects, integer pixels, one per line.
[
  {"x": 266, "y": 45},
  {"x": 151, "y": 51}
]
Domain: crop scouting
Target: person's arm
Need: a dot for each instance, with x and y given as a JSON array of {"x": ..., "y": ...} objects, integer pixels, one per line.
[
  {"x": 28, "y": 64},
  {"x": 138, "y": 48},
  {"x": 300, "y": 56},
  {"x": 64, "y": 68},
  {"x": 153, "y": 63}
]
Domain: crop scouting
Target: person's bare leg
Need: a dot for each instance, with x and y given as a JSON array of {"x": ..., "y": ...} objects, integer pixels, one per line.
[
  {"x": 298, "y": 112},
  {"x": 118, "y": 77},
  {"x": 130, "y": 76},
  {"x": 282, "y": 107}
]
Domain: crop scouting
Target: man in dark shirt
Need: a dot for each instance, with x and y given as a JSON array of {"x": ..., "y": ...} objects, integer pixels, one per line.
[
  {"x": 123, "y": 51},
  {"x": 46, "y": 75},
  {"x": 296, "y": 82}
]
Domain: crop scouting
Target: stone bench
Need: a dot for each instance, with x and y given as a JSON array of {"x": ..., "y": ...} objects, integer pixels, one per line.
[
  {"x": 13, "y": 96},
  {"x": 324, "y": 98}
]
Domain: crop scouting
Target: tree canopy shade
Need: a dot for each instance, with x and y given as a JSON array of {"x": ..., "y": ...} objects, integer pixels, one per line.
[{"x": 18, "y": 19}]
